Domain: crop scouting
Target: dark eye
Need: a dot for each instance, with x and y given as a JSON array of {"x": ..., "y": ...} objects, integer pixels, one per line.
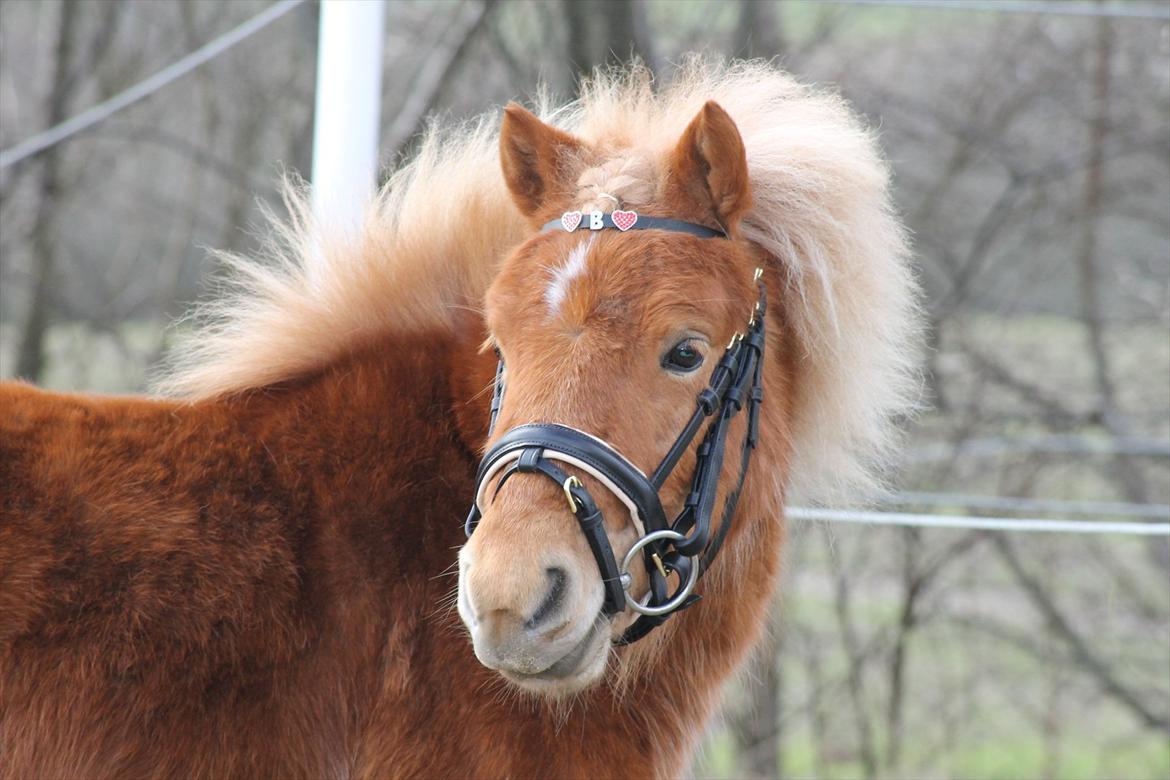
[{"x": 683, "y": 357}]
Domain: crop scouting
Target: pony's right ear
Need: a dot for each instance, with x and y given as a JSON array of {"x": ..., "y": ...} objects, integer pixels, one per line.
[
  {"x": 534, "y": 157},
  {"x": 709, "y": 164}
]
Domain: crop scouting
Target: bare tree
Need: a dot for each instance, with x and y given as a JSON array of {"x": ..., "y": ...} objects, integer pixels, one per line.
[
  {"x": 1088, "y": 257},
  {"x": 602, "y": 32},
  {"x": 437, "y": 71},
  {"x": 758, "y": 30},
  {"x": 50, "y": 186}
]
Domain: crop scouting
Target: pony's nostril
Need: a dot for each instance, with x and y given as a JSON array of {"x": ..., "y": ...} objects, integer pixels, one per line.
[{"x": 553, "y": 601}]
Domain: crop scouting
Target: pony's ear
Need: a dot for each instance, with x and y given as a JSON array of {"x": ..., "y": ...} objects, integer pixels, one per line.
[
  {"x": 534, "y": 158},
  {"x": 709, "y": 166}
]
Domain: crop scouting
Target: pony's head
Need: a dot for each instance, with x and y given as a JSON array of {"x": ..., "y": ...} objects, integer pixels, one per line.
[{"x": 614, "y": 333}]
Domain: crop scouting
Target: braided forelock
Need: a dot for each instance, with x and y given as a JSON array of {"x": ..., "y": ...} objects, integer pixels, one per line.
[{"x": 618, "y": 182}]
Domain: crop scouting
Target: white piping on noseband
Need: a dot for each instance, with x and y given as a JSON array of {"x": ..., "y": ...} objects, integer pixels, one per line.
[{"x": 513, "y": 456}]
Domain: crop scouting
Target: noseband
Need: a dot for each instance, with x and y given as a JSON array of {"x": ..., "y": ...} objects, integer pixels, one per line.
[{"x": 685, "y": 546}]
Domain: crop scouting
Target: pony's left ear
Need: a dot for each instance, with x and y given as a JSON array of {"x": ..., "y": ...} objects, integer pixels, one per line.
[
  {"x": 709, "y": 165},
  {"x": 534, "y": 157}
]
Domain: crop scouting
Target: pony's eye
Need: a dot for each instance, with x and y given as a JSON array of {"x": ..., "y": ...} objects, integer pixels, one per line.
[{"x": 683, "y": 357}]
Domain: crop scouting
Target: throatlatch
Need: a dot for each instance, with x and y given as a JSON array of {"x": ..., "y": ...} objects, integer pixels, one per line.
[{"x": 685, "y": 546}]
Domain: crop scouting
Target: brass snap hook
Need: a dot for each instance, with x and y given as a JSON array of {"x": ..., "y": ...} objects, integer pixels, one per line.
[
  {"x": 658, "y": 562},
  {"x": 570, "y": 483}
]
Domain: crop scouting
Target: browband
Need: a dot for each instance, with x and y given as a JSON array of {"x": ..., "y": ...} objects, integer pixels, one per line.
[{"x": 572, "y": 221}]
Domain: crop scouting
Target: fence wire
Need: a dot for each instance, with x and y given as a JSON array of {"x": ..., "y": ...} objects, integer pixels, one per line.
[
  {"x": 975, "y": 523},
  {"x": 176, "y": 70}
]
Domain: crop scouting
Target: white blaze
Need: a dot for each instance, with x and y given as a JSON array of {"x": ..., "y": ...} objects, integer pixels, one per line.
[{"x": 562, "y": 277}]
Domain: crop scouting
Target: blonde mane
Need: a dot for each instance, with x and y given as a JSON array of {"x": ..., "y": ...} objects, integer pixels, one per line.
[{"x": 437, "y": 231}]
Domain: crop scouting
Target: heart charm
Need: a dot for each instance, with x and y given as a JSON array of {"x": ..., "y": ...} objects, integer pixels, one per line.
[
  {"x": 570, "y": 220},
  {"x": 624, "y": 220}
]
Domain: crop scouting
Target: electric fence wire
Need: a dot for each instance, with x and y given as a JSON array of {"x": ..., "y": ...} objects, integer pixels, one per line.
[
  {"x": 107, "y": 108},
  {"x": 974, "y": 523},
  {"x": 1115, "y": 10},
  {"x": 176, "y": 70},
  {"x": 1043, "y": 505}
]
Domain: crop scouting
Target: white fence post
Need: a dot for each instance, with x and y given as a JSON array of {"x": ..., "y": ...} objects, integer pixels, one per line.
[{"x": 348, "y": 108}]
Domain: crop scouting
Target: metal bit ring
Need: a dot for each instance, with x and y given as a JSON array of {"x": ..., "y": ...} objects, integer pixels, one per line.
[{"x": 678, "y": 598}]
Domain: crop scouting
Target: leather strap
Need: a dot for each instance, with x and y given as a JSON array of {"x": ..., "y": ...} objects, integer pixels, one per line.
[
  {"x": 497, "y": 395},
  {"x": 755, "y": 341},
  {"x": 643, "y": 223},
  {"x": 589, "y": 517},
  {"x": 589, "y": 450},
  {"x": 707, "y": 404}
]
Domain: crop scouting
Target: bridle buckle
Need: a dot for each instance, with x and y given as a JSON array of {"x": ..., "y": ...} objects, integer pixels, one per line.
[{"x": 570, "y": 483}]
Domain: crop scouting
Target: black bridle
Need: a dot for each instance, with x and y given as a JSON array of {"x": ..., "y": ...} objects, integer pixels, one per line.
[{"x": 685, "y": 546}]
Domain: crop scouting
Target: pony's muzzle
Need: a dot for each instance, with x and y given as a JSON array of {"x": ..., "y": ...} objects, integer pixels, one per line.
[{"x": 525, "y": 620}]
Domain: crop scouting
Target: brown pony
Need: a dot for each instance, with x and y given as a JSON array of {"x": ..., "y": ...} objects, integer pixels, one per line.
[{"x": 256, "y": 579}]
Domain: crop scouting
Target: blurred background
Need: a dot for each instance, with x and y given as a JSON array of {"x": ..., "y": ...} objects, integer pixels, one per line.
[{"x": 1031, "y": 148}]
